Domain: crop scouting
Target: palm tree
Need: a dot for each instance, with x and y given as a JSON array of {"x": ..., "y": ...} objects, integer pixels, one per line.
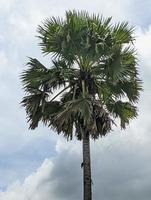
[{"x": 93, "y": 80}]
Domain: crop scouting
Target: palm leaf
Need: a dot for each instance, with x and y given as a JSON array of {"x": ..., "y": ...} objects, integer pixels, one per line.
[
  {"x": 122, "y": 33},
  {"x": 123, "y": 110}
]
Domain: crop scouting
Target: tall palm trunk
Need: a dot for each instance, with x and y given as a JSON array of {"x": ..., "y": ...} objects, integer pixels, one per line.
[{"x": 86, "y": 168}]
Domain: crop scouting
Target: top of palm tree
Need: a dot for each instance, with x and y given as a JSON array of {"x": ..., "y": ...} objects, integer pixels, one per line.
[{"x": 94, "y": 64}]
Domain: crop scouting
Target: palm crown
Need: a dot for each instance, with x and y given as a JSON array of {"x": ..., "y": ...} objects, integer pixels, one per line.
[{"x": 94, "y": 67}]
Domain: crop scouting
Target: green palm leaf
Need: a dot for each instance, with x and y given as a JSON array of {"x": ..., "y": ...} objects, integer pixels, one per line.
[{"x": 125, "y": 111}]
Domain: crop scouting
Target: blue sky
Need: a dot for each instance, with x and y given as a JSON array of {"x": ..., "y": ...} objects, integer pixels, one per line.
[{"x": 40, "y": 164}]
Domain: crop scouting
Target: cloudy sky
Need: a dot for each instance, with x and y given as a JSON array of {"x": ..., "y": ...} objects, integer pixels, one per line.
[{"x": 38, "y": 164}]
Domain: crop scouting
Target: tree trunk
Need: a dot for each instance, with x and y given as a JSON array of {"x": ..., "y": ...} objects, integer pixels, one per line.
[{"x": 87, "y": 182}]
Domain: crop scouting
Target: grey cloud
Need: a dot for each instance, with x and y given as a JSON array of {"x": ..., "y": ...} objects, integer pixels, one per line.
[{"x": 123, "y": 171}]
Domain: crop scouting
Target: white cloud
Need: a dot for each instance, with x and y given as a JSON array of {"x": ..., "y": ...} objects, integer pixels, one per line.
[
  {"x": 4, "y": 61},
  {"x": 63, "y": 145},
  {"x": 54, "y": 179},
  {"x": 6, "y": 5},
  {"x": 35, "y": 187},
  {"x": 24, "y": 17},
  {"x": 144, "y": 47}
]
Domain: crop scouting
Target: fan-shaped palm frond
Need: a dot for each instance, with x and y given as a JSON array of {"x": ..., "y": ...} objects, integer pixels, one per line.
[
  {"x": 79, "y": 35},
  {"x": 125, "y": 111},
  {"x": 33, "y": 105},
  {"x": 39, "y": 77},
  {"x": 123, "y": 33}
]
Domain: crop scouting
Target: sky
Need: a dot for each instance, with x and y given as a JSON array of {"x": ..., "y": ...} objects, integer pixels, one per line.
[{"x": 39, "y": 164}]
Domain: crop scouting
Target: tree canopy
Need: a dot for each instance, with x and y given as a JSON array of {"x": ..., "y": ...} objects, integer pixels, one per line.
[{"x": 93, "y": 78}]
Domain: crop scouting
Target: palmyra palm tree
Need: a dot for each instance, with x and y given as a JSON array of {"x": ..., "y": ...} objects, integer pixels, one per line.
[{"x": 92, "y": 81}]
